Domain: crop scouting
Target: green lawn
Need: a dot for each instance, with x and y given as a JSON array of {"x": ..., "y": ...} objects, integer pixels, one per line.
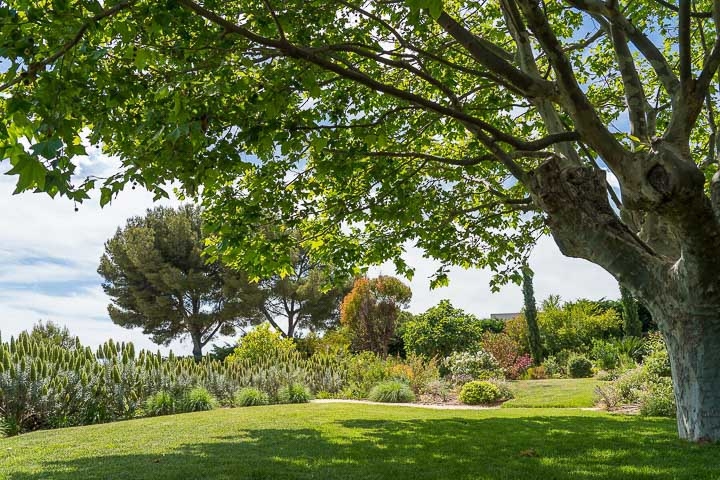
[
  {"x": 356, "y": 441},
  {"x": 554, "y": 393}
]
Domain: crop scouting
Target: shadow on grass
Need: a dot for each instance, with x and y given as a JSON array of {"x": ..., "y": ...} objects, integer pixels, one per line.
[{"x": 495, "y": 448}]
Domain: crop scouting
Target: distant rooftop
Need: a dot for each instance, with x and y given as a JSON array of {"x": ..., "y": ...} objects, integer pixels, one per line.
[{"x": 504, "y": 316}]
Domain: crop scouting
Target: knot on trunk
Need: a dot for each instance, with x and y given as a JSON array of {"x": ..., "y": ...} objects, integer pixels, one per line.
[{"x": 570, "y": 191}]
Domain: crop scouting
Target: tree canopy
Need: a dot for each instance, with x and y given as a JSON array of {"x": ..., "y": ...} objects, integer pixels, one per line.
[
  {"x": 302, "y": 299},
  {"x": 467, "y": 127},
  {"x": 371, "y": 312},
  {"x": 158, "y": 280}
]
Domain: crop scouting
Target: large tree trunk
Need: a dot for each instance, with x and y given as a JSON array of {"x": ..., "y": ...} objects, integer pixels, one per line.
[
  {"x": 693, "y": 343},
  {"x": 670, "y": 260}
]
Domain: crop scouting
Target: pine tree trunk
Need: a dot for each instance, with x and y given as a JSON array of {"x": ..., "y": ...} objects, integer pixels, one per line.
[{"x": 197, "y": 346}]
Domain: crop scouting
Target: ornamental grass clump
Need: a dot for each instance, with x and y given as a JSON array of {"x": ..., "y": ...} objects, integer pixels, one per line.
[
  {"x": 198, "y": 400},
  {"x": 391, "y": 391},
  {"x": 294, "y": 393},
  {"x": 250, "y": 397},
  {"x": 161, "y": 403}
]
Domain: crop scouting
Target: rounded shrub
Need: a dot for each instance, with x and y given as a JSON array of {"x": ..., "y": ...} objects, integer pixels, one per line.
[
  {"x": 250, "y": 397},
  {"x": 160, "y": 403},
  {"x": 294, "y": 393},
  {"x": 391, "y": 391},
  {"x": 198, "y": 400},
  {"x": 579, "y": 366},
  {"x": 479, "y": 393}
]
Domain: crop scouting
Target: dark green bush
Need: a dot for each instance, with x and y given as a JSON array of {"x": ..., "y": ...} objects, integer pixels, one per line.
[
  {"x": 161, "y": 403},
  {"x": 442, "y": 330},
  {"x": 391, "y": 391},
  {"x": 479, "y": 393},
  {"x": 250, "y": 397},
  {"x": 198, "y": 400},
  {"x": 579, "y": 366},
  {"x": 659, "y": 399},
  {"x": 294, "y": 393}
]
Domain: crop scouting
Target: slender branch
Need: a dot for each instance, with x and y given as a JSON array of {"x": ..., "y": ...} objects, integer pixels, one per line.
[
  {"x": 209, "y": 337},
  {"x": 35, "y": 67},
  {"x": 647, "y": 48},
  {"x": 675, "y": 9}
]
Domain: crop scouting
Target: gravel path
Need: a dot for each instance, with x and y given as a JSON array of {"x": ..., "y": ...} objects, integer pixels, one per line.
[{"x": 417, "y": 405}]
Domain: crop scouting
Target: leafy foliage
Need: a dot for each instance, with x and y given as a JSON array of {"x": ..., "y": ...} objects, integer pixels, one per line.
[
  {"x": 262, "y": 341},
  {"x": 391, "y": 391},
  {"x": 479, "y": 393},
  {"x": 371, "y": 311},
  {"x": 579, "y": 366},
  {"x": 442, "y": 330}
]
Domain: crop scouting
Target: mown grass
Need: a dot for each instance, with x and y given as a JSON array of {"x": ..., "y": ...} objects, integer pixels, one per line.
[
  {"x": 355, "y": 441},
  {"x": 553, "y": 393}
]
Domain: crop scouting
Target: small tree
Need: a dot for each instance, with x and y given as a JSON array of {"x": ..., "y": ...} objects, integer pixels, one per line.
[
  {"x": 442, "y": 330},
  {"x": 300, "y": 299},
  {"x": 536, "y": 348},
  {"x": 53, "y": 333},
  {"x": 371, "y": 312},
  {"x": 158, "y": 280},
  {"x": 632, "y": 326},
  {"x": 261, "y": 341}
]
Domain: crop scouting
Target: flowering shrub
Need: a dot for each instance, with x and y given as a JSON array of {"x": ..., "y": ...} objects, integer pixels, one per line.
[
  {"x": 465, "y": 366},
  {"x": 521, "y": 365}
]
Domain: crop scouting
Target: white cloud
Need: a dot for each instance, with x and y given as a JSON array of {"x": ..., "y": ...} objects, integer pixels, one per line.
[
  {"x": 49, "y": 255},
  {"x": 469, "y": 289}
]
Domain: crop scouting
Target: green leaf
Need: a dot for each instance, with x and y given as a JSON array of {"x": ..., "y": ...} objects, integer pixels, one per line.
[
  {"x": 31, "y": 173},
  {"x": 47, "y": 148},
  {"x": 105, "y": 196}
]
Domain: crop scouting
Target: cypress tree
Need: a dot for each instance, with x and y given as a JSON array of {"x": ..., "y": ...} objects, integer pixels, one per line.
[{"x": 536, "y": 348}]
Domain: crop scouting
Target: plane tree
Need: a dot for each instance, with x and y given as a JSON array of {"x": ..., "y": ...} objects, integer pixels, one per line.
[{"x": 467, "y": 127}]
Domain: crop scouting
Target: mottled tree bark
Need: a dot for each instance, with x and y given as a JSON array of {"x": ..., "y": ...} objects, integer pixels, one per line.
[{"x": 680, "y": 286}]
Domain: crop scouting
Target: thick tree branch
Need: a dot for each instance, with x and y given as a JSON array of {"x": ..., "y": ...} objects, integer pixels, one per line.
[
  {"x": 551, "y": 118},
  {"x": 586, "y": 119},
  {"x": 634, "y": 92},
  {"x": 648, "y": 49},
  {"x": 684, "y": 43},
  {"x": 483, "y": 53}
]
